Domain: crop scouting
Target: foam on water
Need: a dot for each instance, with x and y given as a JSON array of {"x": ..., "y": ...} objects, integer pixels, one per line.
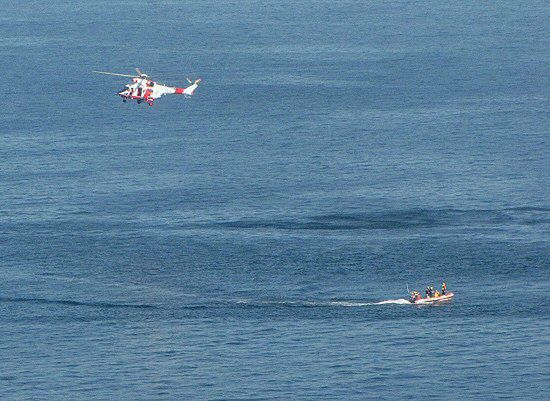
[
  {"x": 320, "y": 304},
  {"x": 394, "y": 302}
]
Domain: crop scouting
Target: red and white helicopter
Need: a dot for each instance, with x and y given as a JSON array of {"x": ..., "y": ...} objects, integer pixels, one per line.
[{"x": 144, "y": 89}]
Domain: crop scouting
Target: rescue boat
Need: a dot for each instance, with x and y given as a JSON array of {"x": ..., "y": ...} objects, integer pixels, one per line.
[{"x": 441, "y": 298}]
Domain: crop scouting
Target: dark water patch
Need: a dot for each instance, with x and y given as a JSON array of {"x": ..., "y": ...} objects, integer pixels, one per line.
[
  {"x": 401, "y": 220},
  {"x": 65, "y": 227},
  {"x": 76, "y": 303},
  {"x": 529, "y": 209},
  {"x": 405, "y": 219}
]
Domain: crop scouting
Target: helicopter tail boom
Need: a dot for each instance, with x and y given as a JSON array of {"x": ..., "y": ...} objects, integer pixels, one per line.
[{"x": 189, "y": 90}]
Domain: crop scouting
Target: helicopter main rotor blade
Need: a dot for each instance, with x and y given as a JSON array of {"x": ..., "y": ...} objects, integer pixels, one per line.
[
  {"x": 112, "y": 73},
  {"x": 139, "y": 72}
]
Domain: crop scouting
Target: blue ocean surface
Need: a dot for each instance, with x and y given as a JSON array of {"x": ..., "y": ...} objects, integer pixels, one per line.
[{"x": 256, "y": 241}]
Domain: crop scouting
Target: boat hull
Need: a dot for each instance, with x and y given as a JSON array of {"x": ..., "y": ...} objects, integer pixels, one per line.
[{"x": 441, "y": 298}]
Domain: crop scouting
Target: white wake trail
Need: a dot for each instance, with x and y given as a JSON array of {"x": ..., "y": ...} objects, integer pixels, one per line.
[
  {"x": 348, "y": 304},
  {"x": 400, "y": 301},
  {"x": 387, "y": 302}
]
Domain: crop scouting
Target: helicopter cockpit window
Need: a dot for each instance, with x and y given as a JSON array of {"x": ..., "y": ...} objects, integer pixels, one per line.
[{"x": 150, "y": 83}]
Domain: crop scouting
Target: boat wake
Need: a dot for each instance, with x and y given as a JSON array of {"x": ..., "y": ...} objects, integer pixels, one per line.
[
  {"x": 394, "y": 302},
  {"x": 313, "y": 304}
]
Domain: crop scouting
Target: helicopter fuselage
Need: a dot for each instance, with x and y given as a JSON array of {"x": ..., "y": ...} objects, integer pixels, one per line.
[{"x": 144, "y": 90}]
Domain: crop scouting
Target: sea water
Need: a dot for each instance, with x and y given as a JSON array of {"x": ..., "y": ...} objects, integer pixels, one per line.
[{"x": 256, "y": 241}]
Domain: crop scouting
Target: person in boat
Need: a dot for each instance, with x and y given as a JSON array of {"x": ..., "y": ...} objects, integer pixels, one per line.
[
  {"x": 429, "y": 292},
  {"x": 436, "y": 294},
  {"x": 415, "y": 296},
  {"x": 443, "y": 288}
]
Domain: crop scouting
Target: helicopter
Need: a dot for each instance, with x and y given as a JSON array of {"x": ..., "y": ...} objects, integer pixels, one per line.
[{"x": 144, "y": 89}]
